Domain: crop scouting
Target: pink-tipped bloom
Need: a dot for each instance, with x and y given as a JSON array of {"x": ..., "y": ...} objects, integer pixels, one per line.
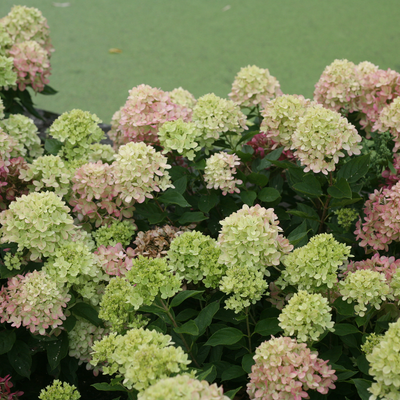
[
  {"x": 114, "y": 259},
  {"x": 5, "y": 389}
]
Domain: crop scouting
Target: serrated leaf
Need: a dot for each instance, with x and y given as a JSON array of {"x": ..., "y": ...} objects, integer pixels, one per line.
[
  {"x": 189, "y": 328},
  {"x": 7, "y": 340},
  {"x": 299, "y": 235},
  {"x": 363, "y": 364},
  {"x": 345, "y": 329},
  {"x": 354, "y": 169},
  {"x": 268, "y": 195},
  {"x": 172, "y": 196},
  {"x": 206, "y": 315},
  {"x": 180, "y": 184},
  {"x": 248, "y": 197},
  {"x": 69, "y": 323},
  {"x": 189, "y": 217},
  {"x": 87, "y": 312},
  {"x": 20, "y": 358},
  {"x": 186, "y": 314},
  {"x": 207, "y": 202},
  {"x": 343, "y": 308},
  {"x": 346, "y": 375},
  {"x": 268, "y": 327},
  {"x": 225, "y": 336},
  {"x": 340, "y": 190},
  {"x": 233, "y": 372},
  {"x": 182, "y": 296}
]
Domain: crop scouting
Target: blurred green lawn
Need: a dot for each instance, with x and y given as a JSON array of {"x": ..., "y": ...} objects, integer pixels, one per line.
[{"x": 201, "y": 44}]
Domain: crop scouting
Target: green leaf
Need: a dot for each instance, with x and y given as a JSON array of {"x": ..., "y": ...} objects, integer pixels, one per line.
[
  {"x": 53, "y": 146},
  {"x": 298, "y": 237},
  {"x": 189, "y": 328},
  {"x": 268, "y": 195},
  {"x": 20, "y": 358},
  {"x": 302, "y": 214},
  {"x": 248, "y": 197},
  {"x": 268, "y": 327},
  {"x": 345, "y": 329},
  {"x": 88, "y": 312},
  {"x": 207, "y": 202},
  {"x": 57, "y": 350},
  {"x": 7, "y": 340},
  {"x": 151, "y": 212},
  {"x": 274, "y": 155},
  {"x": 340, "y": 190},
  {"x": 206, "y": 315},
  {"x": 225, "y": 336},
  {"x": 48, "y": 91},
  {"x": 332, "y": 355},
  {"x": 106, "y": 387},
  {"x": 244, "y": 157},
  {"x": 284, "y": 164},
  {"x": 257, "y": 179},
  {"x": 362, "y": 386},
  {"x": 233, "y": 372},
  {"x": 180, "y": 184},
  {"x": 346, "y": 375},
  {"x": 232, "y": 393},
  {"x": 335, "y": 203},
  {"x": 363, "y": 364},
  {"x": 186, "y": 314},
  {"x": 248, "y": 362},
  {"x": 69, "y": 323},
  {"x": 209, "y": 374},
  {"x": 182, "y": 296},
  {"x": 354, "y": 169},
  {"x": 343, "y": 307},
  {"x": 310, "y": 186},
  {"x": 190, "y": 216},
  {"x": 172, "y": 196}
]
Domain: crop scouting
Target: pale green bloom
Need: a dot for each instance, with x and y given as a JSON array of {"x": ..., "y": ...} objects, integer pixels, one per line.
[
  {"x": 1, "y": 109},
  {"x": 306, "y": 316},
  {"x": 5, "y": 41},
  {"x": 395, "y": 284},
  {"x": 8, "y": 77},
  {"x": 365, "y": 287},
  {"x": 59, "y": 391},
  {"x": 117, "y": 232},
  {"x": 182, "y": 97},
  {"x": 14, "y": 261},
  {"x": 346, "y": 217},
  {"x": 371, "y": 342},
  {"x": 101, "y": 152},
  {"x": 314, "y": 266}
]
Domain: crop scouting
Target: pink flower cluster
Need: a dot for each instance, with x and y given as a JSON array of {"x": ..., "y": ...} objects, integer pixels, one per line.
[
  {"x": 5, "y": 389},
  {"x": 391, "y": 178},
  {"x": 34, "y": 301},
  {"x": 286, "y": 370},
  {"x": 381, "y": 224},
  {"x": 142, "y": 115},
  {"x": 114, "y": 260}
]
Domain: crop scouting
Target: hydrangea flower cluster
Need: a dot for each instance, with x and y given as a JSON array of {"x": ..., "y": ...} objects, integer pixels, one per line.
[
  {"x": 182, "y": 387},
  {"x": 183, "y": 98},
  {"x": 60, "y": 391},
  {"x": 5, "y": 39},
  {"x": 195, "y": 256},
  {"x": 384, "y": 361},
  {"x": 101, "y": 152},
  {"x": 346, "y": 217},
  {"x": 14, "y": 261},
  {"x": 48, "y": 173},
  {"x": 214, "y": 116},
  {"x": 390, "y": 177},
  {"x": 381, "y": 224},
  {"x": 1, "y": 109},
  {"x": 139, "y": 170},
  {"x": 38, "y": 222},
  {"x": 307, "y": 316},
  {"x": 25, "y": 133},
  {"x": 339, "y": 86},
  {"x": 371, "y": 342},
  {"x": 365, "y": 287},
  {"x": 117, "y": 232},
  {"x": 141, "y": 357},
  {"x": 320, "y": 137},
  {"x": 389, "y": 120},
  {"x": 250, "y": 242},
  {"x": 77, "y": 129},
  {"x": 261, "y": 144},
  {"x": 114, "y": 260},
  {"x": 8, "y": 77},
  {"x": 142, "y": 115},
  {"x": 254, "y": 86},
  {"x": 34, "y": 301},
  {"x": 219, "y": 172},
  {"x": 285, "y": 370},
  {"x": 5, "y": 389},
  {"x": 281, "y": 117},
  {"x": 184, "y": 137},
  {"x": 314, "y": 266}
]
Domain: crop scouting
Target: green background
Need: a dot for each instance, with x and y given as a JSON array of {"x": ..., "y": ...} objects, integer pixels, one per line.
[{"x": 201, "y": 44}]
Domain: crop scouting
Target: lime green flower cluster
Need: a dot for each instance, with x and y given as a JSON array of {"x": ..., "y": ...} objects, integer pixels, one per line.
[
  {"x": 307, "y": 316},
  {"x": 395, "y": 284},
  {"x": 384, "y": 361},
  {"x": 117, "y": 232},
  {"x": 7, "y": 144},
  {"x": 101, "y": 152},
  {"x": 38, "y": 222},
  {"x": 8, "y": 77},
  {"x": 314, "y": 266},
  {"x": 346, "y": 217},
  {"x": 5, "y": 40},
  {"x": 365, "y": 287},
  {"x": 48, "y": 173},
  {"x": 14, "y": 261},
  {"x": 184, "y": 137},
  {"x": 141, "y": 357},
  {"x": 182, "y": 97},
  {"x": 182, "y": 387},
  {"x": 371, "y": 342},
  {"x": 116, "y": 310},
  {"x": 59, "y": 391},
  {"x": 1, "y": 106},
  {"x": 195, "y": 256},
  {"x": 25, "y": 133},
  {"x": 77, "y": 129}
]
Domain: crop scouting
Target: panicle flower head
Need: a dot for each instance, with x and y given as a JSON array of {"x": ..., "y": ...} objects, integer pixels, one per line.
[
  {"x": 338, "y": 86},
  {"x": 365, "y": 287},
  {"x": 346, "y": 217},
  {"x": 5, "y": 389},
  {"x": 182, "y": 387},
  {"x": 5, "y": 40},
  {"x": 389, "y": 120},
  {"x": 117, "y": 232},
  {"x": 214, "y": 115},
  {"x": 24, "y": 131},
  {"x": 306, "y": 316},
  {"x": 371, "y": 342},
  {"x": 1, "y": 109},
  {"x": 320, "y": 137},
  {"x": 38, "y": 222},
  {"x": 219, "y": 172},
  {"x": 77, "y": 129},
  {"x": 314, "y": 266},
  {"x": 254, "y": 86},
  {"x": 286, "y": 370},
  {"x": 27, "y": 23},
  {"x": 144, "y": 112},
  {"x": 48, "y": 173},
  {"x": 114, "y": 260},
  {"x": 35, "y": 301},
  {"x": 381, "y": 224},
  {"x": 184, "y": 137},
  {"x": 7, "y": 145},
  {"x": 384, "y": 361},
  {"x": 32, "y": 65},
  {"x": 195, "y": 257},
  {"x": 183, "y": 98},
  {"x": 139, "y": 170},
  {"x": 14, "y": 261},
  {"x": 141, "y": 357},
  {"x": 8, "y": 77},
  {"x": 59, "y": 391},
  {"x": 261, "y": 144},
  {"x": 101, "y": 152},
  {"x": 281, "y": 116}
]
